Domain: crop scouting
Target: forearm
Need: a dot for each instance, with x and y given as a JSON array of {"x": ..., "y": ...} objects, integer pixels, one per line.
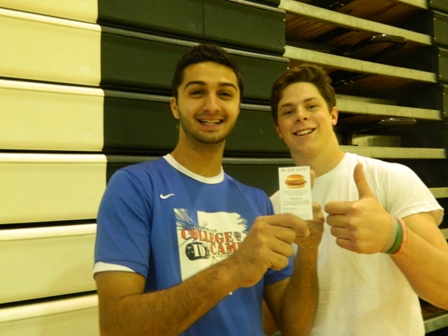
[
  {"x": 423, "y": 264},
  {"x": 299, "y": 303},
  {"x": 165, "y": 312}
]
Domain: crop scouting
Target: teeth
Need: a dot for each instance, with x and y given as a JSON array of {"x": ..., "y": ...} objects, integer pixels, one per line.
[
  {"x": 303, "y": 132},
  {"x": 211, "y": 122}
]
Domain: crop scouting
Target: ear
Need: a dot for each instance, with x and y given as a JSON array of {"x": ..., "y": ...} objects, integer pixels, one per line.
[
  {"x": 334, "y": 115},
  {"x": 277, "y": 129},
  {"x": 174, "y": 108}
]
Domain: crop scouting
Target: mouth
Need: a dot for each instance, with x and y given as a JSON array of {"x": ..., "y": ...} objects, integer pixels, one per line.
[
  {"x": 304, "y": 132},
  {"x": 211, "y": 122}
]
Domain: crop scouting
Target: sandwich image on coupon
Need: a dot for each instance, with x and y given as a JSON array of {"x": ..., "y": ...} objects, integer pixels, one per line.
[{"x": 295, "y": 181}]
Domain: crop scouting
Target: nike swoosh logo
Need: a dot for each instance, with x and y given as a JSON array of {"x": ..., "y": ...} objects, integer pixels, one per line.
[{"x": 166, "y": 196}]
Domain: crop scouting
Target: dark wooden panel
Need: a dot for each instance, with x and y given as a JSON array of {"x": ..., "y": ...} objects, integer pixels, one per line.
[
  {"x": 246, "y": 26},
  {"x": 259, "y": 74},
  {"x": 232, "y": 23},
  {"x": 433, "y": 23},
  {"x": 139, "y": 61},
  {"x": 173, "y": 17},
  {"x": 441, "y": 5},
  {"x": 254, "y": 135},
  {"x": 440, "y": 28},
  {"x": 431, "y": 97},
  {"x": 434, "y": 59},
  {"x": 138, "y": 123}
]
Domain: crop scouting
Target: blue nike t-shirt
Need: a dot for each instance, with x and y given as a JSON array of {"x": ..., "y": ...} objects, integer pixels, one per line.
[{"x": 166, "y": 223}]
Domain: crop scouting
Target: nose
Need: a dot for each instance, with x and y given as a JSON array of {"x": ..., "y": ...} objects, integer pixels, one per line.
[
  {"x": 211, "y": 103},
  {"x": 301, "y": 114}
]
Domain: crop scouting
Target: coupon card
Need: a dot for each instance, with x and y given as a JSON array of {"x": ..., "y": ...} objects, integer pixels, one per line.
[{"x": 295, "y": 191}]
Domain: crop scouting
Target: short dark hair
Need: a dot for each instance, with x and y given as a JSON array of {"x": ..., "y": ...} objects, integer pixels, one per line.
[
  {"x": 205, "y": 53},
  {"x": 309, "y": 73}
]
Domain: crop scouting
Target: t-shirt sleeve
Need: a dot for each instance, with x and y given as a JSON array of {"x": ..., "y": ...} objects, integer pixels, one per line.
[
  {"x": 406, "y": 194},
  {"x": 123, "y": 231}
]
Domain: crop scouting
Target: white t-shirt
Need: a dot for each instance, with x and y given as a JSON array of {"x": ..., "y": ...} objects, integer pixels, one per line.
[{"x": 367, "y": 294}]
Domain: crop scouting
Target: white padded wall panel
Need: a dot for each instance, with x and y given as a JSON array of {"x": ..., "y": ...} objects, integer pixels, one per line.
[
  {"x": 50, "y": 101},
  {"x": 38, "y": 116},
  {"x": 49, "y": 49},
  {"x": 44, "y": 262},
  {"x": 82, "y": 10},
  {"x": 69, "y": 317},
  {"x": 50, "y": 187}
]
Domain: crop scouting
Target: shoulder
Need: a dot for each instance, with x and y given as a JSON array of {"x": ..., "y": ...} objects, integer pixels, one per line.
[
  {"x": 377, "y": 166},
  {"x": 137, "y": 177},
  {"x": 398, "y": 188},
  {"x": 150, "y": 165},
  {"x": 390, "y": 177},
  {"x": 366, "y": 161},
  {"x": 141, "y": 169}
]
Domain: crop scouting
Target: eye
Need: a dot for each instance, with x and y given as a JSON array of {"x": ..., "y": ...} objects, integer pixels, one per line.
[
  {"x": 312, "y": 107},
  {"x": 226, "y": 95},
  {"x": 196, "y": 92}
]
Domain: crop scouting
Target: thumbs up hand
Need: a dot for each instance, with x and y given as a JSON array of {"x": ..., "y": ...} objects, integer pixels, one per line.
[{"x": 361, "y": 226}]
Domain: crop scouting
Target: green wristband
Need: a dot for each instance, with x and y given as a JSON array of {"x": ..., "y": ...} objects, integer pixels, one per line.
[
  {"x": 392, "y": 236},
  {"x": 398, "y": 239}
]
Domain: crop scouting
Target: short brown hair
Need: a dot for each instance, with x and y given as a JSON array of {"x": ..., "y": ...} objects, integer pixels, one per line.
[
  {"x": 205, "y": 53},
  {"x": 309, "y": 73}
]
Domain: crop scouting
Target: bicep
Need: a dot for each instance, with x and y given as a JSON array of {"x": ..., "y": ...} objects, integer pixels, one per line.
[{"x": 114, "y": 286}]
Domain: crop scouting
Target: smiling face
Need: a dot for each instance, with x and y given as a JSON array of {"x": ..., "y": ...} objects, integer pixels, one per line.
[
  {"x": 207, "y": 104},
  {"x": 305, "y": 123}
]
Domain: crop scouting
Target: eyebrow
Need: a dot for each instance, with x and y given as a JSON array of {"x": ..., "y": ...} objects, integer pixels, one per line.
[
  {"x": 285, "y": 105},
  {"x": 305, "y": 101},
  {"x": 222, "y": 84}
]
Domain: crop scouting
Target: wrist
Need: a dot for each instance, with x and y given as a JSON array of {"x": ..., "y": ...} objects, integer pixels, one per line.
[
  {"x": 306, "y": 255},
  {"x": 400, "y": 237},
  {"x": 390, "y": 244},
  {"x": 228, "y": 273}
]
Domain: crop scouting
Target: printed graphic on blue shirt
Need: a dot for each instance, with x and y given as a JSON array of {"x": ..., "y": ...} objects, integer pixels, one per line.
[{"x": 206, "y": 238}]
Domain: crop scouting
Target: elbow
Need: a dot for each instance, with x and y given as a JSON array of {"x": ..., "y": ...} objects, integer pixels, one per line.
[
  {"x": 299, "y": 332},
  {"x": 440, "y": 301},
  {"x": 297, "y": 329},
  {"x": 108, "y": 329}
]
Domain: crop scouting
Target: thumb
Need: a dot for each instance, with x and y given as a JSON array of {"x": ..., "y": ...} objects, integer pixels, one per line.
[
  {"x": 312, "y": 176},
  {"x": 361, "y": 182}
]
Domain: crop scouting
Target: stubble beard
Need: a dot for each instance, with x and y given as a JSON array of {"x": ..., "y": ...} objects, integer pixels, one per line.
[{"x": 204, "y": 137}]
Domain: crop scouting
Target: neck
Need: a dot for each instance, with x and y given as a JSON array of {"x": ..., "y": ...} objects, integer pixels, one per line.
[
  {"x": 321, "y": 163},
  {"x": 204, "y": 160}
]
